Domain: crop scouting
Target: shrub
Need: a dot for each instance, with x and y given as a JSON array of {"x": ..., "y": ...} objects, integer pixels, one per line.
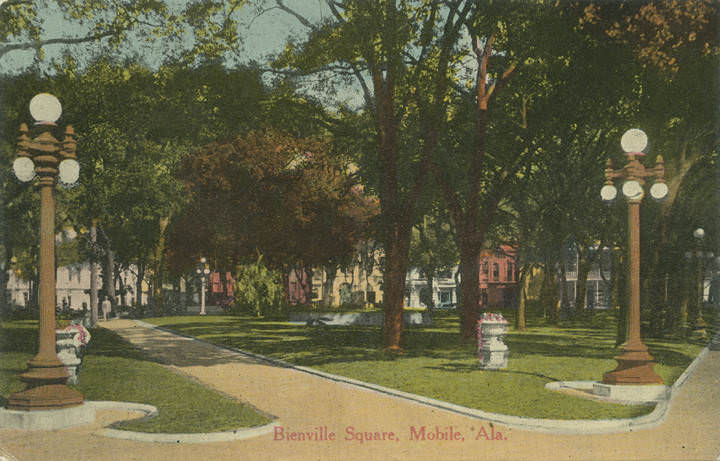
[{"x": 259, "y": 290}]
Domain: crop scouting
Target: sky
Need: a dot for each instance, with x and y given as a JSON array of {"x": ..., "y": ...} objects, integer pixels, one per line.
[{"x": 263, "y": 34}]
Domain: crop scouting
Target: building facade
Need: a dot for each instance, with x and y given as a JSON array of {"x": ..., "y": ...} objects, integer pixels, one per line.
[
  {"x": 498, "y": 278},
  {"x": 598, "y": 283},
  {"x": 72, "y": 290}
]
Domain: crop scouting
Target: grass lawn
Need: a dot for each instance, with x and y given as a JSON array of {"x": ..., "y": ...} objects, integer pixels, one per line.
[
  {"x": 112, "y": 369},
  {"x": 438, "y": 364}
]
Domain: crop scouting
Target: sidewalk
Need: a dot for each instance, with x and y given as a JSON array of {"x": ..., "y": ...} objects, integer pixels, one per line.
[{"x": 304, "y": 403}]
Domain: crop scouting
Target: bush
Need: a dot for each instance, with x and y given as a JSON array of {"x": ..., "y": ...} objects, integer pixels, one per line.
[{"x": 259, "y": 290}]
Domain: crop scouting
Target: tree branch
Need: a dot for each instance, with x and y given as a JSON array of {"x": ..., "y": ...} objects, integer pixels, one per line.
[{"x": 4, "y": 49}]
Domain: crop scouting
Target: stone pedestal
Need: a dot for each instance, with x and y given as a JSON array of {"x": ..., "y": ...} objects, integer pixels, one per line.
[
  {"x": 68, "y": 352},
  {"x": 492, "y": 351}
]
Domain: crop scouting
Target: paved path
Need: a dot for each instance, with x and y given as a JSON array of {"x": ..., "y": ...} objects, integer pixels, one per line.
[{"x": 303, "y": 402}]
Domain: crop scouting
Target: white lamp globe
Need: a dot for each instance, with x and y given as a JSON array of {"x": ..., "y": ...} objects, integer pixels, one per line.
[
  {"x": 608, "y": 192},
  {"x": 699, "y": 233},
  {"x": 632, "y": 189},
  {"x": 69, "y": 171},
  {"x": 206, "y": 271},
  {"x": 203, "y": 260},
  {"x": 45, "y": 107},
  {"x": 634, "y": 140},
  {"x": 24, "y": 169},
  {"x": 659, "y": 190}
]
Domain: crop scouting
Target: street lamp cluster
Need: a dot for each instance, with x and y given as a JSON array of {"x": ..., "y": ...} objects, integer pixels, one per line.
[
  {"x": 48, "y": 159},
  {"x": 635, "y": 364}
]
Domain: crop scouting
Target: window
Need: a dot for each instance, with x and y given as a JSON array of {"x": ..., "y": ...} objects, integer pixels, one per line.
[
  {"x": 509, "y": 276},
  {"x": 485, "y": 268},
  {"x": 496, "y": 271}
]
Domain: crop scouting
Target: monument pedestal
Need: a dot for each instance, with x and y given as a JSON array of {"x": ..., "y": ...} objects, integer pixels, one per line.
[{"x": 492, "y": 351}]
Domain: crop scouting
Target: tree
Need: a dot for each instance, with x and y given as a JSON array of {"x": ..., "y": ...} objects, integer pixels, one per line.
[
  {"x": 104, "y": 27},
  {"x": 266, "y": 192},
  {"x": 396, "y": 51}
]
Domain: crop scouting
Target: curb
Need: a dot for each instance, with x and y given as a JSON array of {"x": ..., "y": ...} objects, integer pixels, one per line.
[
  {"x": 150, "y": 411},
  {"x": 554, "y": 426}
]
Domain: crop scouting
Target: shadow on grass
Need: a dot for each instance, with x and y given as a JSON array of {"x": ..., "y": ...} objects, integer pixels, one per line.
[{"x": 470, "y": 368}]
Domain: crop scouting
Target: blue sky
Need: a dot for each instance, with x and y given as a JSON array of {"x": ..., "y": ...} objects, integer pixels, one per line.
[{"x": 262, "y": 33}]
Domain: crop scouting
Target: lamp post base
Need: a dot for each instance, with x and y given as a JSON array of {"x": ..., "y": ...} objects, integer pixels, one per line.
[
  {"x": 635, "y": 366},
  {"x": 45, "y": 397}
]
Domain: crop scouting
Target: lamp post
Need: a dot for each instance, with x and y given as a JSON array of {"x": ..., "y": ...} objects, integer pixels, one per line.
[
  {"x": 203, "y": 271},
  {"x": 699, "y": 324},
  {"x": 48, "y": 159},
  {"x": 635, "y": 364}
]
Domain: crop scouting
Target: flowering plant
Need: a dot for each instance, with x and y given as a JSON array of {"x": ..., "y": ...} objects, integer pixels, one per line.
[
  {"x": 82, "y": 336},
  {"x": 492, "y": 317}
]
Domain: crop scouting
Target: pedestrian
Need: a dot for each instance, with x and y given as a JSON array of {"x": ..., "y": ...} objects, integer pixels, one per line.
[{"x": 106, "y": 306}]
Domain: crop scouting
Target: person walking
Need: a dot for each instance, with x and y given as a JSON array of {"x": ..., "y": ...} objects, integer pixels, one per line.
[{"x": 106, "y": 307}]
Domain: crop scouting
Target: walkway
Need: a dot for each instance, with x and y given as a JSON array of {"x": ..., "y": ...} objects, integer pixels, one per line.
[{"x": 303, "y": 402}]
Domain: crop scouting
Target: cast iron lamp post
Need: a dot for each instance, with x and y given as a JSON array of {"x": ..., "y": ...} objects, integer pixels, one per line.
[
  {"x": 203, "y": 271},
  {"x": 699, "y": 325},
  {"x": 48, "y": 159},
  {"x": 635, "y": 364}
]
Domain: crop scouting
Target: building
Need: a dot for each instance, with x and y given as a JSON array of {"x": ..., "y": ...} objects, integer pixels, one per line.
[
  {"x": 444, "y": 288},
  {"x": 498, "y": 277},
  {"x": 73, "y": 287},
  {"x": 598, "y": 283}
]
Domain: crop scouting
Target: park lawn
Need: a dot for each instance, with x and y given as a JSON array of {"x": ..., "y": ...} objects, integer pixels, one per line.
[
  {"x": 436, "y": 362},
  {"x": 114, "y": 370}
]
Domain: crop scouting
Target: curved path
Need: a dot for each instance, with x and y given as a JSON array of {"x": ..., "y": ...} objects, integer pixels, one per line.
[{"x": 304, "y": 402}]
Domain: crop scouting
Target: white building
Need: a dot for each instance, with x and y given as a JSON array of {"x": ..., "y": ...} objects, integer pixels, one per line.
[
  {"x": 73, "y": 287},
  {"x": 597, "y": 293},
  {"x": 444, "y": 289}
]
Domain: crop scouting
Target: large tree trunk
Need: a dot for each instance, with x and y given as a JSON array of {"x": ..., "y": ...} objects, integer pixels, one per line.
[
  {"x": 581, "y": 285},
  {"x": 429, "y": 277},
  {"x": 328, "y": 297},
  {"x": 93, "y": 276},
  {"x": 394, "y": 287},
  {"x": 4, "y": 278},
  {"x": 619, "y": 295},
  {"x": 139, "y": 283},
  {"x": 520, "y": 322},
  {"x": 470, "y": 267},
  {"x": 109, "y": 276},
  {"x": 158, "y": 276}
]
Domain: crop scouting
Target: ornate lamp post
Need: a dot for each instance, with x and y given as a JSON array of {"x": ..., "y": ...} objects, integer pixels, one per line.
[
  {"x": 203, "y": 271},
  {"x": 699, "y": 324},
  {"x": 48, "y": 159},
  {"x": 635, "y": 364}
]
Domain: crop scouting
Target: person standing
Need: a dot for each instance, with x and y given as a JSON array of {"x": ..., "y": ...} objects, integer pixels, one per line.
[{"x": 106, "y": 307}]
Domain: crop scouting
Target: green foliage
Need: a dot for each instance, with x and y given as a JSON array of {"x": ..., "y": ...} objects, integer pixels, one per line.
[
  {"x": 259, "y": 290},
  {"x": 184, "y": 32}
]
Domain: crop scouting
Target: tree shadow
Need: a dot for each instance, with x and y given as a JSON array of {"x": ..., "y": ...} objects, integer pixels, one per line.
[{"x": 472, "y": 368}]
